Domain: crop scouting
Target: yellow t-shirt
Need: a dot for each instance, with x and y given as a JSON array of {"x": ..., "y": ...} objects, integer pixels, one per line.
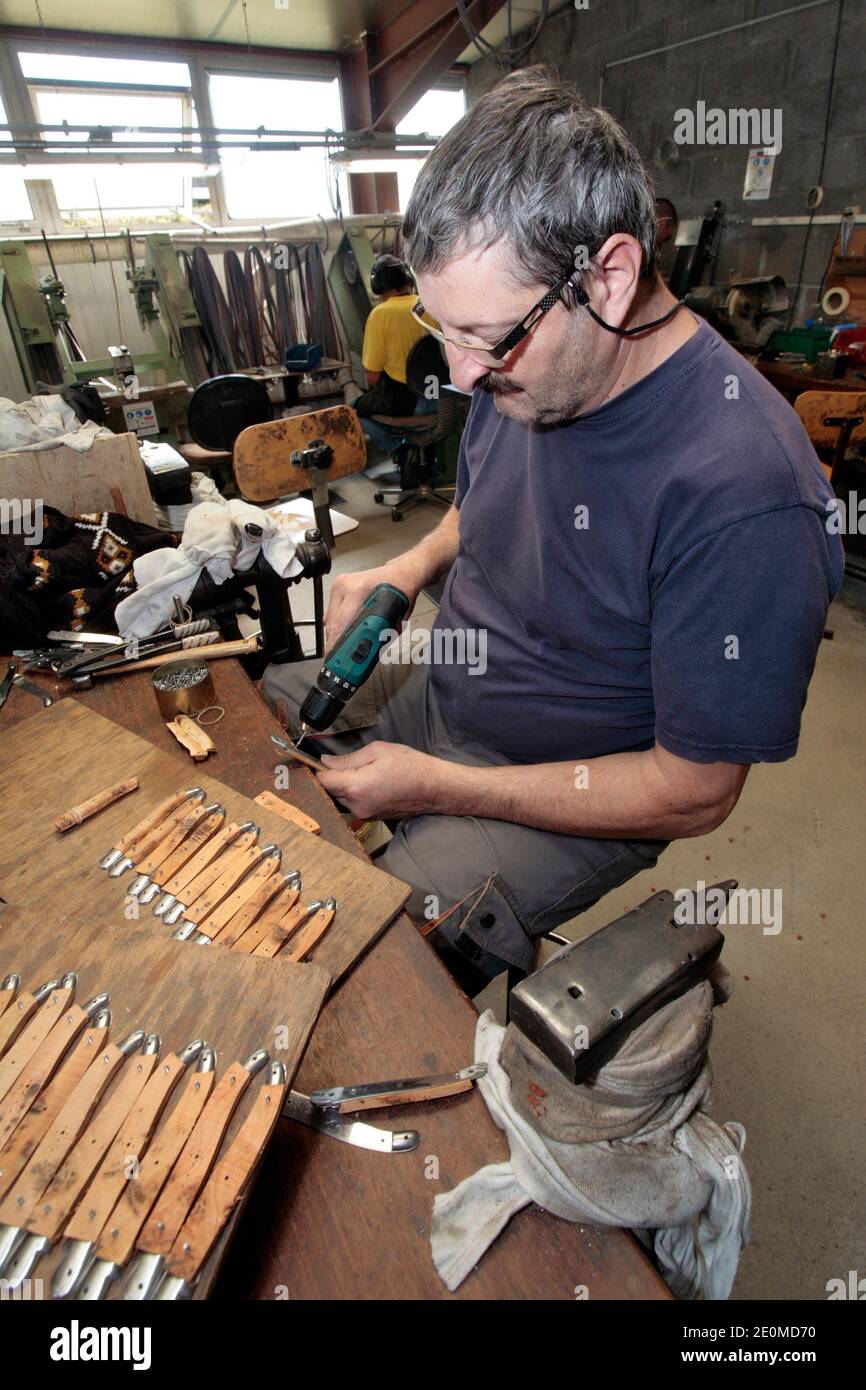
[{"x": 390, "y": 335}]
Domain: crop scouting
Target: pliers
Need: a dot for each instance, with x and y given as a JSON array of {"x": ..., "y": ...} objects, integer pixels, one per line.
[{"x": 12, "y": 678}]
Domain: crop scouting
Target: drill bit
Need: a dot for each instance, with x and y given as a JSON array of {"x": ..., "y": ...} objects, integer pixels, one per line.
[{"x": 305, "y": 729}]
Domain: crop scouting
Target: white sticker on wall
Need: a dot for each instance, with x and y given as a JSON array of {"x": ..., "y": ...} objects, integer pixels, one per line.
[
  {"x": 759, "y": 174},
  {"x": 141, "y": 418}
]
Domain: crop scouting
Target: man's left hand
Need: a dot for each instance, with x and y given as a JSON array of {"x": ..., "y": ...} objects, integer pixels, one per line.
[{"x": 385, "y": 780}]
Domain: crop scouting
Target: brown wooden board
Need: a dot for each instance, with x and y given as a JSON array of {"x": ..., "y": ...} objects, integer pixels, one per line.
[
  {"x": 236, "y": 1003},
  {"x": 262, "y": 456},
  {"x": 67, "y": 753}
]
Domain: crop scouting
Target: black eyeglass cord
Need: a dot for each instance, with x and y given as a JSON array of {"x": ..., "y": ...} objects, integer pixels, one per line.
[{"x": 583, "y": 300}]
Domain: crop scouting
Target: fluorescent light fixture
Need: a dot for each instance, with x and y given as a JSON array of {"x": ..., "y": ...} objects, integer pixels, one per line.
[
  {"x": 377, "y": 161},
  {"x": 39, "y": 170}
]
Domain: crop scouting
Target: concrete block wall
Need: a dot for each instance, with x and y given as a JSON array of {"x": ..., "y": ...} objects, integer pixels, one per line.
[{"x": 779, "y": 62}]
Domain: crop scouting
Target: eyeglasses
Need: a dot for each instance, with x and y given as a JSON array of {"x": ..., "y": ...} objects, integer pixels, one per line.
[{"x": 494, "y": 355}]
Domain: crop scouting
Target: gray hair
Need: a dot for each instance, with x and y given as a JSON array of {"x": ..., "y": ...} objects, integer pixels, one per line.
[{"x": 533, "y": 164}]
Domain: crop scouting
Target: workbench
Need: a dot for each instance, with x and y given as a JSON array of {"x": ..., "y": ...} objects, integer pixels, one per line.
[{"x": 326, "y": 1220}]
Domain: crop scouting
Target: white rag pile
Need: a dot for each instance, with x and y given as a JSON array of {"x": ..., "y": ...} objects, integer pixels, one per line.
[
  {"x": 44, "y": 422},
  {"x": 215, "y": 538},
  {"x": 672, "y": 1171}
]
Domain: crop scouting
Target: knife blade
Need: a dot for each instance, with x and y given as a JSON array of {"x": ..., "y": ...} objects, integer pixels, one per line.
[
  {"x": 299, "y": 1107},
  {"x": 378, "y": 1094}
]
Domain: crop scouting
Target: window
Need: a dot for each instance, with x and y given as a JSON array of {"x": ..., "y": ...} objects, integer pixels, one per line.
[
  {"x": 14, "y": 202},
  {"x": 276, "y": 184},
  {"x": 130, "y": 93},
  {"x": 435, "y": 114}
]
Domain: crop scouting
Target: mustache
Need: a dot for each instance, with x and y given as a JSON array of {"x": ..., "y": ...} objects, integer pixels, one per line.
[{"x": 499, "y": 384}]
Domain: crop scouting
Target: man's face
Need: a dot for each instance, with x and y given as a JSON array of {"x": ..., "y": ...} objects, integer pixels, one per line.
[{"x": 557, "y": 372}]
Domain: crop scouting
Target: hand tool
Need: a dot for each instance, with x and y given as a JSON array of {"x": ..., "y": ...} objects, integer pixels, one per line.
[
  {"x": 274, "y": 941},
  {"x": 209, "y": 851},
  {"x": 203, "y": 870},
  {"x": 59, "y": 1138},
  {"x": 115, "y": 1243},
  {"x": 299, "y": 1107},
  {"x": 247, "y": 914},
  {"x": 187, "y": 1177},
  {"x": 191, "y": 736},
  {"x": 20, "y": 1145},
  {"x": 188, "y": 931},
  {"x": 306, "y": 758},
  {"x": 230, "y": 891},
  {"x": 8, "y": 991},
  {"x": 86, "y": 663},
  {"x": 219, "y": 880},
  {"x": 247, "y": 646},
  {"x": 179, "y": 845},
  {"x": 223, "y": 1190},
  {"x": 18, "y": 1015},
  {"x": 147, "y": 842},
  {"x": 32, "y": 689},
  {"x": 211, "y": 819},
  {"x": 20, "y": 1094},
  {"x": 107, "y": 797},
  {"x": 285, "y": 901},
  {"x": 349, "y": 664},
  {"x": 96, "y": 639},
  {"x": 130, "y": 841},
  {"x": 30, "y": 1038},
  {"x": 313, "y": 931},
  {"x": 100, "y": 1193},
  {"x": 375, "y": 1095}
]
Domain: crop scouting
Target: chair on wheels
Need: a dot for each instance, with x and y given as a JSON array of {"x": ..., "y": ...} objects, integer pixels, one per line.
[{"x": 417, "y": 455}]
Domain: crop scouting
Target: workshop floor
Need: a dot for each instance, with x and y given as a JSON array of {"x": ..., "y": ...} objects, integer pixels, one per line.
[{"x": 788, "y": 1048}]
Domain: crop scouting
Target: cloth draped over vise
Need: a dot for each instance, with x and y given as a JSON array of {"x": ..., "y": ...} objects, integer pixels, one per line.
[
  {"x": 632, "y": 1147},
  {"x": 222, "y": 537}
]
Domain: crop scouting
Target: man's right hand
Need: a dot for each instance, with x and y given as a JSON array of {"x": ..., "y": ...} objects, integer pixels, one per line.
[{"x": 348, "y": 592}]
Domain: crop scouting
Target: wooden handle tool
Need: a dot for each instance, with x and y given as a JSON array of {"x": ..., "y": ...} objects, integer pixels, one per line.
[
  {"x": 9, "y": 992},
  {"x": 117, "y": 1238},
  {"x": 197, "y": 1156},
  {"x": 16, "y": 1018},
  {"x": 231, "y": 890},
  {"x": 206, "y": 878},
  {"x": 130, "y": 843},
  {"x": 148, "y": 842},
  {"x": 228, "y": 1181},
  {"x": 22, "y": 1141},
  {"x": 62, "y": 1134},
  {"x": 76, "y": 815},
  {"x": 191, "y": 736},
  {"x": 265, "y": 924},
  {"x": 42, "y": 1065},
  {"x": 244, "y": 647},
  {"x": 313, "y": 932},
  {"x": 32, "y": 1037},
  {"x": 175, "y": 837},
  {"x": 274, "y": 803},
  {"x": 247, "y": 914}
]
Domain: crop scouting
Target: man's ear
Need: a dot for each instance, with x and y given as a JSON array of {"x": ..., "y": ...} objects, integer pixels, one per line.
[{"x": 614, "y": 277}]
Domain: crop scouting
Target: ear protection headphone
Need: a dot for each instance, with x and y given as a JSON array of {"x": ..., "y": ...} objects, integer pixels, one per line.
[
  {"x": 582, "y": 299},
  {"x": 388, "y": 273}
]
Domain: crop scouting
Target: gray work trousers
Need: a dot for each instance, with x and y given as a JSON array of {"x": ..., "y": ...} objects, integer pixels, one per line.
[{"x": 519, "y": 882}]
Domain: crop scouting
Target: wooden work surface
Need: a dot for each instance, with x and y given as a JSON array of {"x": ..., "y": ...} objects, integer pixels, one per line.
[
  {"x": 235, "y": 1003},
  {"x": 67, "y": 753},
  {"x": 327, "y": 1221}
]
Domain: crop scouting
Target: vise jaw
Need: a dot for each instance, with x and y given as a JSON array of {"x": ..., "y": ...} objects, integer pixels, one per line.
[{"x": 580, "y": 1006}]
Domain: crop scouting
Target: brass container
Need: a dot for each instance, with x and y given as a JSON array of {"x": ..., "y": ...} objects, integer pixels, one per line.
[{"x": 189, "y": 698}]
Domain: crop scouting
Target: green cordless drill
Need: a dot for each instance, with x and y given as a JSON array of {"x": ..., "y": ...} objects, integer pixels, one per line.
[{"x": 354, "y": 657}]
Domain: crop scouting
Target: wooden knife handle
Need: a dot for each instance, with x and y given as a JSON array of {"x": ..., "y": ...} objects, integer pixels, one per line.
[
  {"x": 246, "y": 915},
  {"x": 198, "y": 836},
  {"x": 234, "y": 866},
  {"x": 166, "y": 847},
  {"x": 209, "y": 851},
  {"x": 7, "y": 999},
  {"x": 130, "y": 842},
  {"x": 21, "y": 1142},
  {"x": 85, "y": 809},
  {"x": 60, "y": 1137},
  {"x": 222, "y": 915},
  {"x": 130, "y": 1141},
  {"x": 16, "y": 1018},
  {"x": 447, "y": 1088},
  {"x": 70, "y": 1180},
  {"x": 155, "y": 837},
  {"x": 42, "y": 1065},
  {"x": 194, "y": 1163},
  {"x": 265, "y": 924},
  {"x": 274, "y": 941},
  {"x": 30, "y": 1040},
  {"x": 117, "y": 1238},
  {"x": 274, "y": 803},
  {"x": 194, "y": 888},
  {"x": 309, "y": 935},
  {"x": 225, "y": 1186}
]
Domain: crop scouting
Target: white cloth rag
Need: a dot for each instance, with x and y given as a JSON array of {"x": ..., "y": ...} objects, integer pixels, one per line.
[
  {"x": 44, "y": 422},
  {"x": 215, "y": 538},
  {"x": 682, "y": 1178}
]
